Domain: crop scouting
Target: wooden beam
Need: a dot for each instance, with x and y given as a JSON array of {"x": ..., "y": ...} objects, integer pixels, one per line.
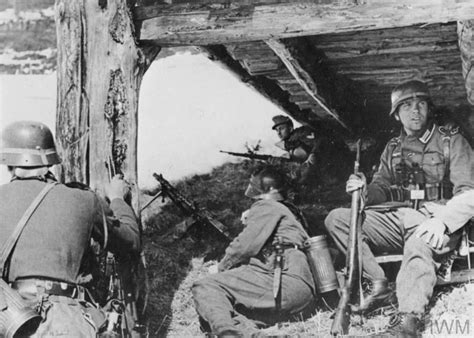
[
  {"x": 270, "y": 90},
  {"x": 100, "y": 69},
  {"x": 466, "y": 45},
  {"x": 303, "y": 78},
  {"x": 224, "y": 22}
]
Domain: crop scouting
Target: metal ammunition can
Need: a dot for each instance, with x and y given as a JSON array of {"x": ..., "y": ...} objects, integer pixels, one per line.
[
  {"x": 320, "y": 262},
  {"x": 17, "y": 319}
]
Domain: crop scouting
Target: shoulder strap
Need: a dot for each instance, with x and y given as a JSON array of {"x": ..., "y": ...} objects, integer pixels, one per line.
[
  {"x": 298, "y": 214},
  {"x": 392, "y": 145},
  {"x": 446, "y": 132},
  {"x": 10, "y": 243}
]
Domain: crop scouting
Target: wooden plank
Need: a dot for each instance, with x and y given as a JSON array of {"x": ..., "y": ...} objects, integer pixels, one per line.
[
  {"x": 217, "y": 22},
  {"x": 388, "y": 259},
  {"x": 466, "y": 45},
  {"x": 303, "y": 78},
  {"x": 72, "y": 113},
  {"x": 461, "y": 276}
]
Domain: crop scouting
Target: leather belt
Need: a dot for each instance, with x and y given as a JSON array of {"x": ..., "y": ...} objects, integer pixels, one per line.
[
  {"x": 268, "y": 250},
  {"x": 37, "y": 286},
  {"x": 290, "y": 246}
]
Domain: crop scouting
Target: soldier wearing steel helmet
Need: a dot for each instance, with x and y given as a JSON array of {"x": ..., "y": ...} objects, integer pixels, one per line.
[
  {"x": 421, "y": 169},
  {"x": 46, "y": 264},
  {"x": 240, "y": 295},
  {"x": 312, "y": 151}
]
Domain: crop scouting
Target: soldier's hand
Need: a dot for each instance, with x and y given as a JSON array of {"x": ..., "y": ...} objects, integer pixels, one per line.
[
  {"x": 432, "y": 232},
  {"x": 356, "y": 182},
  {"x": 244, "y": 216},
  {"x": 117, "y": 188}
]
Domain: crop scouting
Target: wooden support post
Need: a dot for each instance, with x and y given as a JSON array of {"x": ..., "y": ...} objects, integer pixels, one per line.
[
  {"x": 100, "y": 69},
  {"x": 466, "y": 46}
]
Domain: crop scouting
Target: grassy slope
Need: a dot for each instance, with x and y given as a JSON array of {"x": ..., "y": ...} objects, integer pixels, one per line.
[{"x": 174, "y": 265}]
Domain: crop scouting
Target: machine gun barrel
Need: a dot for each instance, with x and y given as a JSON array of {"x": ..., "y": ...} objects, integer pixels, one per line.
[{"x": 189, "y": 208}]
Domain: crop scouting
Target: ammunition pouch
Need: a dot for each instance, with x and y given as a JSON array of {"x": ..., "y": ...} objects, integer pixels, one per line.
[
  {"x": 17, "y": 318},
  {"x": 431, "y": 192}
]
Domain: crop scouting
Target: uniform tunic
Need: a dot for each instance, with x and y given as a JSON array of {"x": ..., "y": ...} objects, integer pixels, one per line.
[
  {"x": 390, "y": 231},
  {"x": 58, "y": 233},
  {"x": 53, "y": 246},
  {"x": 316, "y": 154},
  {"x": 244, "y": 285}
]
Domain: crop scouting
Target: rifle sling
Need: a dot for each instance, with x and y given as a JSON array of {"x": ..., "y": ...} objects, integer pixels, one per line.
[
  {"x": 359, "y": 254},
  {"x": 13, "y": 239}
]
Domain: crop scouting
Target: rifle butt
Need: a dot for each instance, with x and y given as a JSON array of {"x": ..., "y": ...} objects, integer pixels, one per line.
[{"x": 340, "y": 324}]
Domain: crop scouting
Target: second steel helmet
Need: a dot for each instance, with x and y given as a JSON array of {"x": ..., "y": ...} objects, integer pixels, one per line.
[
  {"x": 407, "y": 90},
  {"x": 27, "y": 144}
]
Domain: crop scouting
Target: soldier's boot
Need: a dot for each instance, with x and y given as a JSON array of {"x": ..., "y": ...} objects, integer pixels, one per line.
[
  {"x": 404, "y": 325},
  {"x": 229, "y": 333},
  {"x": 381, "y": 295}
]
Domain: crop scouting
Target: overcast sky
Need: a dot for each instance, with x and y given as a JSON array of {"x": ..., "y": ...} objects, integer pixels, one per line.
[{"x": 189, "y": 109}]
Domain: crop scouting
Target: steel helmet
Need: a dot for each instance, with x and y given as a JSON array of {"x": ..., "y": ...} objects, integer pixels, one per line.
[
  {"x": 407, "y": 90},
  {"x": 27, "y": 144}
]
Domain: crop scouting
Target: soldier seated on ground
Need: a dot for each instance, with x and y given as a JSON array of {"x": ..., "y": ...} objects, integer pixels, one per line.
[
  {"x": 422, "y": 169},
  {"x": 240, "y": 296},
  {"x": 316, "y": 154},
  {"x": 47, "y": 262}
]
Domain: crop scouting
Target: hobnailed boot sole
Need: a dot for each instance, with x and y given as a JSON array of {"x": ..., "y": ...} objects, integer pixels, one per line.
[{"x": 381, "y": 304}]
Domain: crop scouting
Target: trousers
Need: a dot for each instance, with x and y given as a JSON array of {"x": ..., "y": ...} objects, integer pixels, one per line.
[
  {"x": 225, "y": 300},
  {"x": 386, "y": 233},
  {"x": 64, "y": 316}
]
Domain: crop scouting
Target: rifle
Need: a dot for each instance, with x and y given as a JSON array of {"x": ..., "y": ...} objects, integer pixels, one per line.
[
  {"x": 123, "y": 318},
  {"x": 254, "y": 156},
  {"x": 340, "y": 324},
  {"x": 196, "y": 214}
]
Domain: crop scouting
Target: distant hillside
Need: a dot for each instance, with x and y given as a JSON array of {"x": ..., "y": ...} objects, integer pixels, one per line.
[{"x": 28, "y": 38}]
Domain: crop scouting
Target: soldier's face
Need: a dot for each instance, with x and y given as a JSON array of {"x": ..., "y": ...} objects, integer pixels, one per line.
[
  {"x": 413, "y": 114},
  {"x": 283, "y": 131}
]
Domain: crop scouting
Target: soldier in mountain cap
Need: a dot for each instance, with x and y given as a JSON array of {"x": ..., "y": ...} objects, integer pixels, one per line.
[
  {"x": 241, "y": 295},
  {"x": 313, "y": 152},
  {"x": 422, "y": 168},
  {"x": 48, "y": 260}
]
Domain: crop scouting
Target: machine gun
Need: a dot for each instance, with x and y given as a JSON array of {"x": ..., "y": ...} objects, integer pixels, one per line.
[
  {"x": 196, "y": 215},
  {"x": 254, "y": 156},
  {"x": 340, "y": 324}
]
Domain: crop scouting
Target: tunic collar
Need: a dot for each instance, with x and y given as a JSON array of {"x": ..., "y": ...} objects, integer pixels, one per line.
[{"x": 426, "y": 135}]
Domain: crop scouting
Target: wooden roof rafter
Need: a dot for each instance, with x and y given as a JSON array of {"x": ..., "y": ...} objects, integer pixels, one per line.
[
  {"x": 303, "y": 78},
  {"x": 206, "y": 22}
]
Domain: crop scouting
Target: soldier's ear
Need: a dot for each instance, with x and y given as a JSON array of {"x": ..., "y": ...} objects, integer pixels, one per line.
[{"x": 397, "y": 117}]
